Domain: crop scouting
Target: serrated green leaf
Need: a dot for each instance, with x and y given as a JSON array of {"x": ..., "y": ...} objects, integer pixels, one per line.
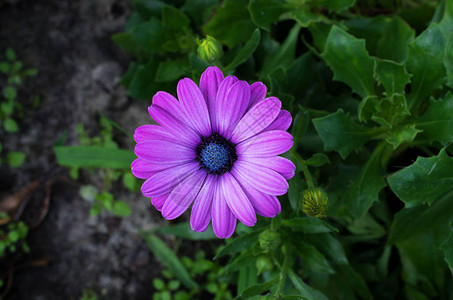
[
  {"x": 393, "y": 45},
  {"x": 392, "y": 76},
  {"x": 317, "y": 160},
  {"x": 284, "y": 57},
  {"x": 364, "y": 191},
  {"x": 231, "y": 23},
  {"x": 424, "y": 181},
  {"x": 314, "y": 260},
  {"x": 340, "y": 133},
  {"x": 266, "y": 12},
  {"x": 258, "y": 289},
  {"x": 402, "y": 134},
  {"x": 367, "y": 108},
  {"x": 246, "y": 51},
  {"x": 304, "y": 289},
  {"x": 183, "y": 230},
  {"x": 15, "y": 158},
  {"x": 240, "y": 243},
  {"x": 393, "y": 109},
  {"x": 94, "y": 157},
  {"x": 447, "y": 248},
  {"x": 437, "y": 121},
  {"x": 167, "y": 257},
  {"x": 308, "y": 225},
  {"x": 425, "y": 63},
  {"x": 349, "y": 61}
]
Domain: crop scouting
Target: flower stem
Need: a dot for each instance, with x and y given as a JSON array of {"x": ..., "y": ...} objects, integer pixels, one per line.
[{"x": 301, "y": 163}]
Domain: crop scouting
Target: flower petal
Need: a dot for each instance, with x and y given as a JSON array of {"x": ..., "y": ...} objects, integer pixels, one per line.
[
  {"x": 256, "y": 119},
  {"x": 201, "y": 208},
  {"x": 264, "y": 204},
  {"x": 237, "y": 200},
  {"x": 257, "y": 93},
  {"x": 223, "y": 220},
  {"x": 265, "y": 144},
  {"x": 171, "y": 105},
  {"x": 159, "y": 201},
  {"x": 194, "y": 105},
  {"x": 261, "y": 178},
  {"x": 165, "y": 152},
  {"x": 209, "y": 85},
  {"x": 151, "y": 132},
  {"x": 174, "y": 126},
  {"x": 231, "y": 108},
  {"x": 164, "y": 182},
  {"x": 282, "y": 122},
  {"x": 142, "y": 169},
  {"x": 224, "y": 87},
  {"x": 277, "y": 163},
  {"x": 183, "y": 195}
]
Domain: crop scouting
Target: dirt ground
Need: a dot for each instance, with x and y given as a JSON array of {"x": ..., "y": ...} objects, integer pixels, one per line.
[{"x": 79, "y": 69}]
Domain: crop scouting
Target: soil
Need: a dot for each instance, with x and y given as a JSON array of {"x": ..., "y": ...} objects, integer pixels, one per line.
[{"x": 79, "y": 71}]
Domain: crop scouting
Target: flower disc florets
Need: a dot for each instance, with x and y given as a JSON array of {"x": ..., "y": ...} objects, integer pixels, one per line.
[{"x": 216, "y": 154}]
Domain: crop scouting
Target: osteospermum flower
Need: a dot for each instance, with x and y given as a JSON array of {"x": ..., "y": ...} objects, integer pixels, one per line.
[{"x": 215, "y": 149}]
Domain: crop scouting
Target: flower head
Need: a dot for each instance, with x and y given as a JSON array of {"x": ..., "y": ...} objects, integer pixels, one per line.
[{"x": 216, "y": 148}]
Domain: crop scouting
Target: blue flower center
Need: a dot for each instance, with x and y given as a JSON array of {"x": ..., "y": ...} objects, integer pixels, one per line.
[{"x": 216, "y": 154}]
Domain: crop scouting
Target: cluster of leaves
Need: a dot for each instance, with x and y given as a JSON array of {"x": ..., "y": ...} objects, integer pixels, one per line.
[
  {"x": 12, "y": 235},
  {"x": 13, "y": 69},
  {"x": 370, "y": 89},
  {"x": 102, "y": 154}
]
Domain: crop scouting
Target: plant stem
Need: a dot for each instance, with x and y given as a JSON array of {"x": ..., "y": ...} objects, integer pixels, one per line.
[{"x": 304, "y": 168}]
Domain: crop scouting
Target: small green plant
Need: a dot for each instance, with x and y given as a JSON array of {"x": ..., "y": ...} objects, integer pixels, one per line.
[
  {"x": 90, "y": 294},
  {"x": 13, "y": 236}
]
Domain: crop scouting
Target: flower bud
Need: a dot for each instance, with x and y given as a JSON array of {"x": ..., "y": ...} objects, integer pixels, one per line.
[
  {"x": 264, "y": 263},
  {"x": 314, "y": 203},
  {"x": 209, "y": 49},
  {"x": 269, "y": 240}
]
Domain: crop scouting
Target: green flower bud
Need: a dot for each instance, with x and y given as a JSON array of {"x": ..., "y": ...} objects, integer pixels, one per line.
[
  {"x": 269, "y": 240},
  {"x": 209, "y": 49},
  {"x": 264, "y": 263},
  {"x": 314, "y": 203}
]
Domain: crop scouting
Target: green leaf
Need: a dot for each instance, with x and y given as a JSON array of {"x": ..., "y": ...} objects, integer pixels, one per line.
[
  {"x": 402, "y": 134},
  {"x": 425, "y": 63},
  {"x": 246, "y": 51},
  {"x": 31, "y": 72},
  {"x": 393, "y": 44},
  {"x": 437, "y": 121},
  {"x": 300, "y": 126},
  {"x": 317, "y": 160},
  {"x": 448, "y": 60},
  {"x": 231, "y": 23},
  {"x": 121, "y": 209},
  {"x": 424, "y": 181},
  {"x": 349, "y": 61},
  {"x": 142, "y": 85},
  {"x": 168, "y": 258},
  {"x": 339, "y": 5},
  {"x": 131, "y": 182},
  {"x": 15, "y": 158},
  {"x": 392, "y": 76},
  {"x": 127, "y": 42},
  {"x": 10, "y": 125},
  {"x": 258, "y": 289},
  {"x": 304, "y": 289},
  {"x": 5, "y": 67},
  {"x": 10, "y": 54},
  {"x": 159, "y": 284},
  {"x": 174, "y": 18},
  {"x": 266, "y": 12},
  {"x": 364, "y": 191},
  {"x": 7, "y": 108},
  {"x": 10, "y": 92},
  {"x": 240, "y": 243},
  {"x": 340, "y": 133},
  {"x": 95, "y": 209},
  {"x": 447, "y": 248},
  {"x": 305, "y": 17},
  {"x": 355, "y": 281},
  {"x": 314, "y": 260},
  {"x": 171, "y": 69},
  {"x": 308, "y": 225},
  {"x": 183, "y": 230},
  {"x": 94, "y": 157},
  {"x": 150, "y": 35},
  {"x": 284, "y": 57}
]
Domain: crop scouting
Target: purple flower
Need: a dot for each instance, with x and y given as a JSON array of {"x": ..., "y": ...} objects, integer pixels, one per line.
[{"x": 216, "y": 148}]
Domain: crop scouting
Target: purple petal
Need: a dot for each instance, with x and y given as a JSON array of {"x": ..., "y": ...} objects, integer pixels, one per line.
[
  {"x": 256, "y": 119},
  {"x": 174, "y": 126},
  {"x": 159, "y": 201},
  {"x": 277, "y": 163},
  {"x": 142, "y": 169},
  {"x": 165, "y": 152},
  {"x": 264, "y": 204},
  {"x": 151, "y": 132},
  {"x": 194, "y": 105},
  {"x": 231, "y": 108},
  {"x": 257, "y": 93},
  {"x": 209, "y": 85},
  {"x": 282, "y": 122},
  {"x": 237, "y": 200},
  {"x": 201, "y": 208},
  {"x": 183, "y": 195},
  {"x": 224, "y": 87},
  {"x": 172, "y": 106},
  {"x": 265, "y": 144},
  {"x": 223, "y": 220},
  {"x": 261, "y": 178},
  {"x": 164, "y": 182}
]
